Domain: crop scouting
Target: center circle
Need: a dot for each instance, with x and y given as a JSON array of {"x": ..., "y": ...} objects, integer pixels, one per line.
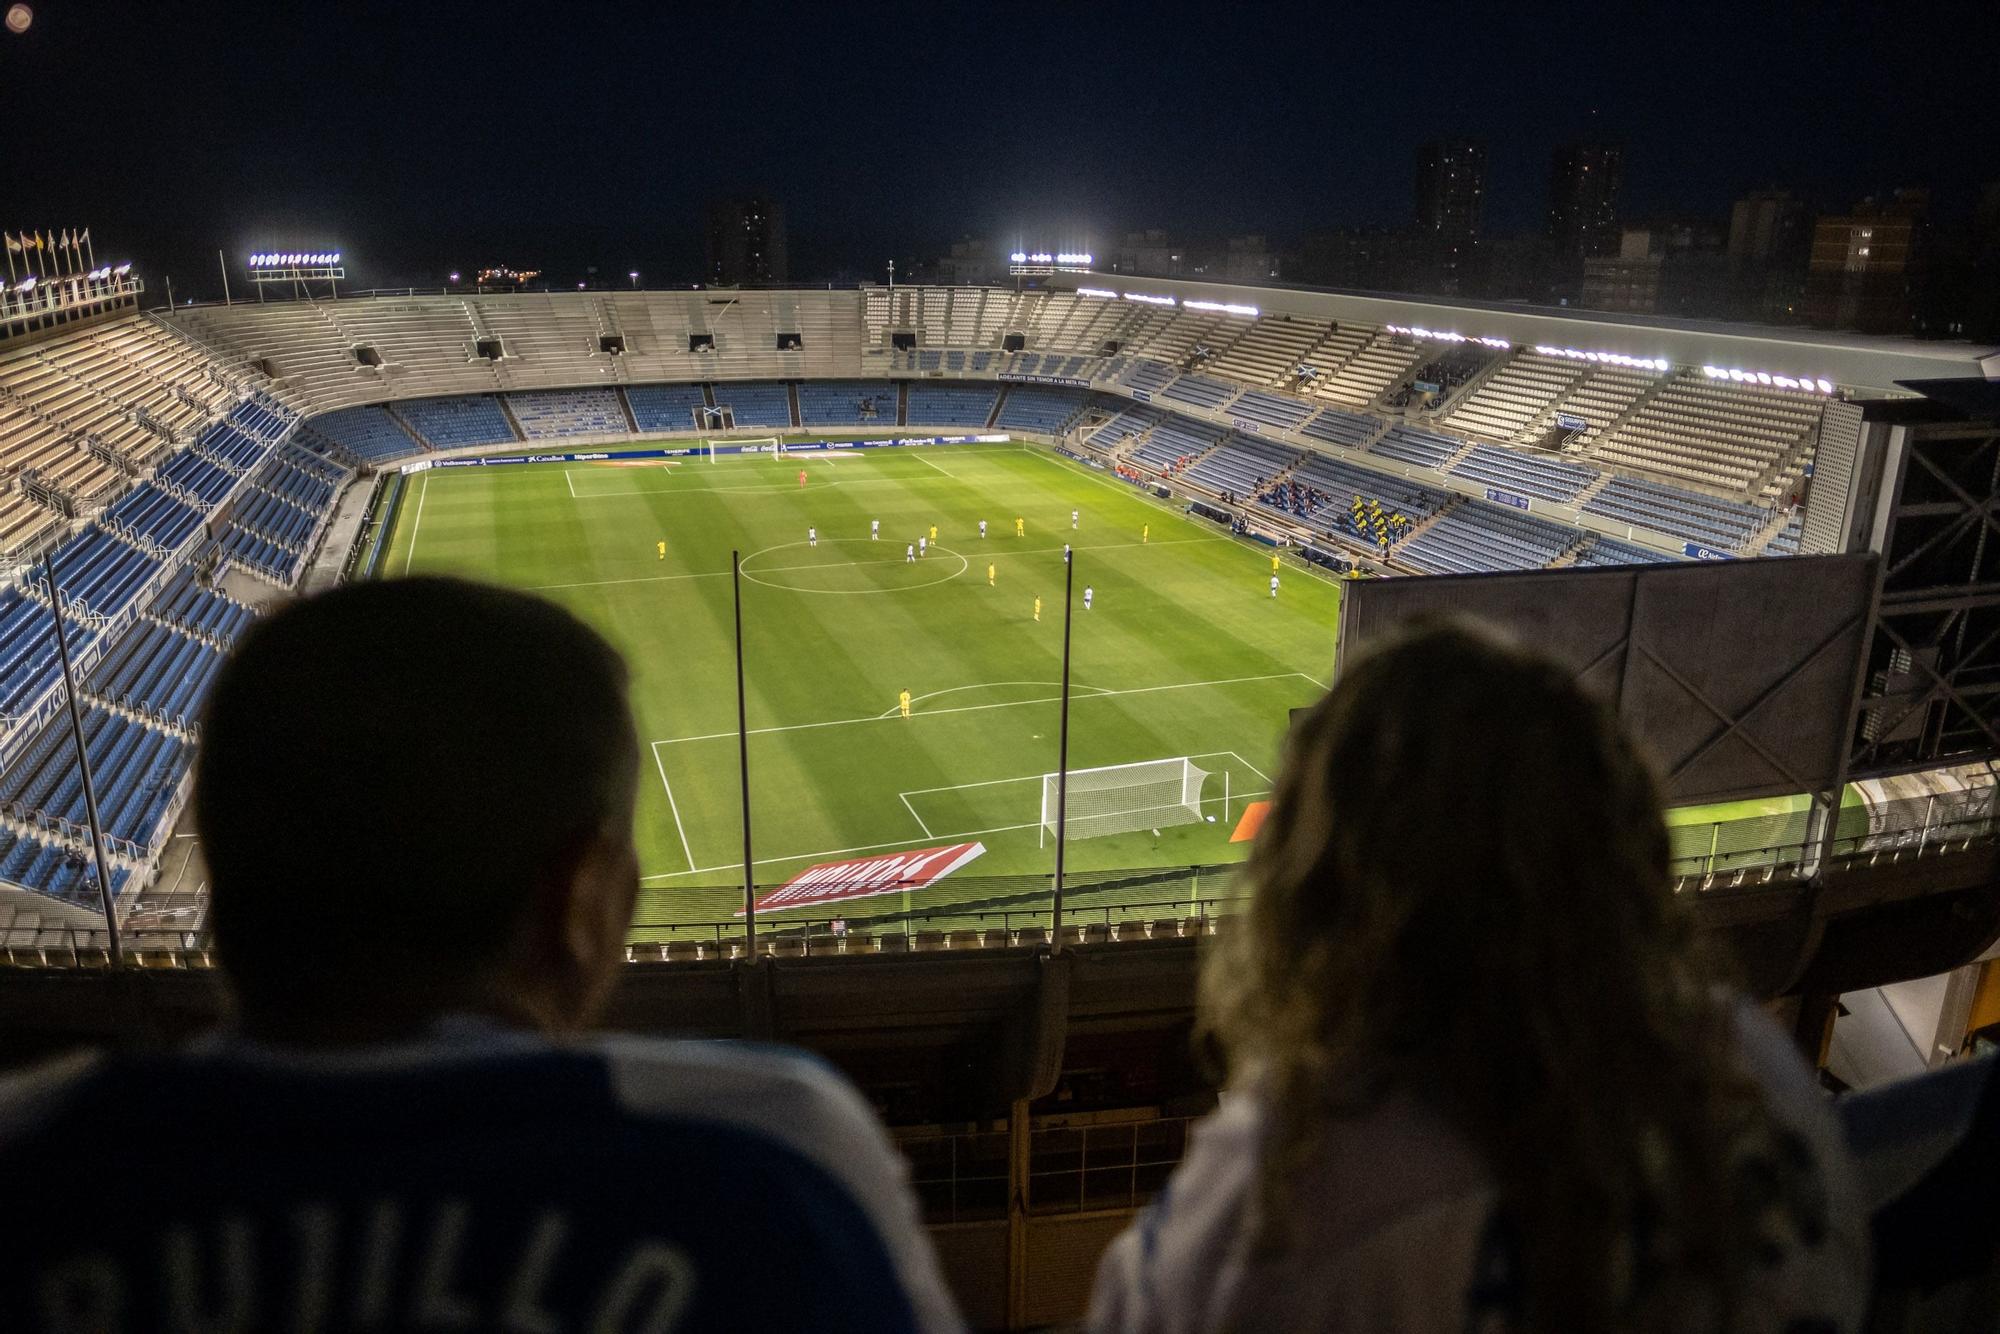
[{"x": 947, "y": 573}]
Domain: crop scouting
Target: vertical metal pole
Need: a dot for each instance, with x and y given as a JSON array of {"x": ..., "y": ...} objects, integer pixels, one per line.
[
  {"x": 1062, "y": 753},
  {"x": 743, "y": 764},
  {"x": 1019, "y": 1154},
  {"x": 83, "y": 766},
  {"x": 223, "y": 264}
]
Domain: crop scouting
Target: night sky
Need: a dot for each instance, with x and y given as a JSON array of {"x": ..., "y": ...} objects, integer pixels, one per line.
[{"x": 420, "y": 137}]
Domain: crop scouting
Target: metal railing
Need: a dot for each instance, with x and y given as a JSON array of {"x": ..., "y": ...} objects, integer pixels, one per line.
[{"x": 1106, "y": 907}]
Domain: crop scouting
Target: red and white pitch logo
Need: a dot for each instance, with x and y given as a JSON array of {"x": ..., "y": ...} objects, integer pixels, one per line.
[{"x": 865, "y": 877}]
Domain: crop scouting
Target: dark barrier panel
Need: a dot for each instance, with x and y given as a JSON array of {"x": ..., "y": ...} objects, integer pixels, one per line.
[{"x": 1740, "y": 676}]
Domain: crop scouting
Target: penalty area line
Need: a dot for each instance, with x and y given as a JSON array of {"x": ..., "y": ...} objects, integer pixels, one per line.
[
  {"x": 959, "y": 837},
  {"x": 674, "y": 806}
]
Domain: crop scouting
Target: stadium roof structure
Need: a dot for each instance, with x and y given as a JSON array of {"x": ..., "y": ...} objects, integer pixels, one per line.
[{"x": 1855, "y": 361}]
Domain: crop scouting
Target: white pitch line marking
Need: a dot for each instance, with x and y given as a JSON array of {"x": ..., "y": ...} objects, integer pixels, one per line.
[
  {"x": 913, "y": 815},
  {"x": 674, "y": 806},
  {"x": 572, "y": 484},
  {"x": 1245, "y": 763},
  {"x": 927, "y": 463},
  {"x": 871, "y": 847},
  {"x": 1032, "y": 778},
  {"x": 411, "y": 555},
  {"x": 983, "y": 685},
  {"x": 1006, "y": 704}
]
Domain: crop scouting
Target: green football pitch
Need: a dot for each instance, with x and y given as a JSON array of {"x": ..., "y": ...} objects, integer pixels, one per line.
[{"x": 1183, "y": 652}]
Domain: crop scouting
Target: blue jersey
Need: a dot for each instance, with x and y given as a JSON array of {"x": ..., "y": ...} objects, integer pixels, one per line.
[{"x": 477, "y": 1178}]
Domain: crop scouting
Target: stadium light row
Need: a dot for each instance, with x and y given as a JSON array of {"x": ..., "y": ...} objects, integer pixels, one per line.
[
  {"x": 99, "y": 275},
  {"x": 296, "y": 260},
  {"x": 1151, "y": 299},
  {"x": 1808, "y": 384}
]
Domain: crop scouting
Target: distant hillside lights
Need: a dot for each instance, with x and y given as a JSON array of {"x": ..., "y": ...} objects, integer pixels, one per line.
[{"x": 1805, "y": 384}]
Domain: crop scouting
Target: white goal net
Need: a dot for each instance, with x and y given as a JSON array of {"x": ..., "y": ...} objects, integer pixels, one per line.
[
  {"x": 768, "y": 444},
  {"x": 1125, "y": 798}
]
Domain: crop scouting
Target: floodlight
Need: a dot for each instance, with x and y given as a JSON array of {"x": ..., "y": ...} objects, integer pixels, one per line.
[
  {"x": 1824, "y": 387},
  {"x": 1019, "y": 257},
  {"x": 1149, "y": 299},
  {"x": 1096, "y": 291},
  {"x": 123, "y": 269}
]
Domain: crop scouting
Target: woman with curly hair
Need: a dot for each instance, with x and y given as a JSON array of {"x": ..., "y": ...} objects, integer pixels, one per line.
[{"x": 1477, "y": 1076}]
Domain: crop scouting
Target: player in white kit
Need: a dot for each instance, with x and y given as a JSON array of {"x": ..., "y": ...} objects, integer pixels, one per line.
[
  {"x": 1087, "y": 590},
  {"x": 874, "y": 530},
  {"x": 812, "y": 537}
]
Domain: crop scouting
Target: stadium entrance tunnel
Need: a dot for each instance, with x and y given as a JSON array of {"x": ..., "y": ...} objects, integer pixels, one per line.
[{"x": 850, "y": 565}]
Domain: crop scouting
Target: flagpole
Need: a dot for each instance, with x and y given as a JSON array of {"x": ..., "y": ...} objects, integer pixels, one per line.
[
  {"x": 9, "y": 243},
  {"x": 90, "y": 247},
  {"x": 223, "y": 264}
]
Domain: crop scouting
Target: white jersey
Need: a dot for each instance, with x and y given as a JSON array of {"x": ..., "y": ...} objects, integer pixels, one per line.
[
  {"x": 1065, "y": 553},
  {"x": 1086, "y": 597},
  {"x": 1072, "y": 518},
  {"x": 923, "y": 544},
  {"x": 909, "y": 553},
  {"x": 812, "y": 536},
  {"x": 1274, "y": 585},
  {"x": 874, "y": 528},
  {"x": 982, "y": 527}
]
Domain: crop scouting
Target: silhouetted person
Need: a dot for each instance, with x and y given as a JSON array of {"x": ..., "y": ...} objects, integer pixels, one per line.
[
  {"x": 416, "y": 800},
  {"x": 1476, "y": 1080}
]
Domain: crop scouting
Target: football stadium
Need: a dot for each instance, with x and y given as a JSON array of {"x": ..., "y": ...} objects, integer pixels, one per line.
[
  {"x": 1427, "y": 776},
  {"x": 953, "y": 537}
]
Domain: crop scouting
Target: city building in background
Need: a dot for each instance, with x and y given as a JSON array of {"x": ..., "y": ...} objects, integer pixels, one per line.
[
  {"x": 1770, "y": 238},
  {"x": 746, "y": 242},
  {"x": 1667, "y": 267},
  {"x": 1868, "y": 265},
  {"x": 1450, "y": 200},
  {"x": 1584, "y": 182}
]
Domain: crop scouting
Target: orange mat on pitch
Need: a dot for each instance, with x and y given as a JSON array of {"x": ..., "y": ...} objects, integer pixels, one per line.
[{"x": 1252, "y": 821}]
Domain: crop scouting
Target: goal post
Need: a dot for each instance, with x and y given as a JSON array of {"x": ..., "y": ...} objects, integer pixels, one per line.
[
  {"x": 1125, "y": 798},
  {"x": 762, "y": 444}
]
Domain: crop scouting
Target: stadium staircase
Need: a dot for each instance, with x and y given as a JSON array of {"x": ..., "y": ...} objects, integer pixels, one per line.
[
  {"x": 625, "y": 406},
  {"x": 1632, "y": 409},
  {"x": 1754, "y": 544},
  {"x": 1416, "y": 529},
  {"x": 1589, "y": 493},
  {"x": 1465, "y": 389},
  {"x": 1453, "y": 459},
  {"x": 1568, "y": 555},
  {"x": 792, "y": 402},
  {"x": 902, "y": 402},
  {"x": 409, "y": 427},
  {"x": 513, "y": 422},
  {"x": 999, "y": 406}
]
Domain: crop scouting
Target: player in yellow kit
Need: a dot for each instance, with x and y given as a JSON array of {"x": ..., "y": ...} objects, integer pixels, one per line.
[
  {"x": 1038, "y": 609},
  {"x": 663, "y": 550},
  {"x": 933, "y": 532},
  {"x": 1020, "y": 527},
  {"x": 989, "y": 576},
  {"x": 1274, "y": 565},
  {"x": 904, "y": 700},
  {"x": 1145, "y": 533}
]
